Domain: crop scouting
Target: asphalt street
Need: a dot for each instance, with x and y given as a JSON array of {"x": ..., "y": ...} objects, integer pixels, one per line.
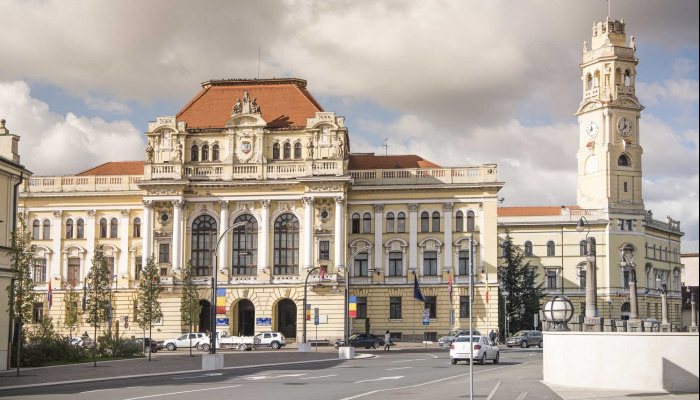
[{"x": 410, "y": 375}]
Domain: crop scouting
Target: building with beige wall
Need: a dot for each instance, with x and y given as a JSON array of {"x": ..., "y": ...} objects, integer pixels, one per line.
[
  {"x": 265, "y": 155},
  {"x": 609, "y": 198}
]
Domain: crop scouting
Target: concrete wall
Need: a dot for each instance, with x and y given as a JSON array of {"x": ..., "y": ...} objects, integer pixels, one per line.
[{"x": 651, "y": 362}]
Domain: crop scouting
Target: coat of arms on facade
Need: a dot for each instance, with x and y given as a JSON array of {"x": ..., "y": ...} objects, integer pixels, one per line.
[{"x": 246, "y": 147}]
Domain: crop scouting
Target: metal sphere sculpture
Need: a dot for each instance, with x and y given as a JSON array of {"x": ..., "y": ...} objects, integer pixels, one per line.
[{"x": 559, "y": 311}]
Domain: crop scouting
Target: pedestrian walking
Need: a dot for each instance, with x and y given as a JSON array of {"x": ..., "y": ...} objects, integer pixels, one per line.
[
  {"x": 387, "y": 341},
  {"x": 492, "y": 336},
  {"x": 498, "y": 337}
]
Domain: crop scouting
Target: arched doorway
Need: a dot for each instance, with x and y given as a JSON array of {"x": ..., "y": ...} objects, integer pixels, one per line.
[
  {"x": 287, "y": 318},
  {"x": 244, "y": 318},
  {"x": 205, "y": 316}
]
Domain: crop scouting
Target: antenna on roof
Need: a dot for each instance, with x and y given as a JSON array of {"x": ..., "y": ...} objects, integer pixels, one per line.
[
  {"x": 608, "y": 1},
  {"x": 386, "y": 146},
  {"x": 258, "y": 61}
]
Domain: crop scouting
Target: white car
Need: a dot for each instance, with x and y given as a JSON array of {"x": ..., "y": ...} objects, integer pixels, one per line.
[
  {"x": 274, "y": 340},
  {"x": 483, "y": 349},
  {"x": 184, "y": 341}
]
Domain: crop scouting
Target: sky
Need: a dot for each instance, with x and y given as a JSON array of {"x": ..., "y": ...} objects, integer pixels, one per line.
[{"x": 460, "y": 83}]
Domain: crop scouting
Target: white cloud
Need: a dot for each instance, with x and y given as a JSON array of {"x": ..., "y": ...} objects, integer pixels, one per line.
[
  {"x": 677, "y": 90},
  {"x": 52, "y": 144},
  {"x": 109, "y": 106}
]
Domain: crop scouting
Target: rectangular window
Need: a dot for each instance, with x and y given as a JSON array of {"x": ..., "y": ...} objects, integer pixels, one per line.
[
  {"x": 356, "y": 225},
  {"x": 400, "y": 224},
  {"x": 362, "y": 307},
  {"x": 430, "y": 336},
  {"x": 395, "y": 335},
  {"x": 361, "y": 264},
  {"x": 110, "y": 267},
  {"x": 137, "y": 228},
  {"x": 164, "y": 272},
  {"x": 38, "y": 312},
  {"x": 69, "y": 229},
  {"x": 139, "y": 267},
  {"x": 463, "y": 263},
  {"x": 629, "y": 224},
  {"x": 625, "y": 187},
  {"x": 324, "y": 250},
  {"x": 366, "y": 224},
  {"x": 431, "y": 304},
  {"x": 39, "y": 270},
  {"x": 395, "y": 308},
  {"x": 430, "y": 263},
  {"x": 390, "y": 224},
  {"x": 582, "y": 278},
  {"x": 164, "y": 253},
  {"x": 464, "y": 306},
  {"x": 395, "y": 263},
  {"x": 74, "y": 269},
  {"x": 551, "y": 279},
  {"x": 625, "y": 279},
  {"x": 621, "y": 224}
]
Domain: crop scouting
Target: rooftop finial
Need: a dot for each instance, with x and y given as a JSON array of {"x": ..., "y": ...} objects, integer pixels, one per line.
[{"x": 3, "y": 130}]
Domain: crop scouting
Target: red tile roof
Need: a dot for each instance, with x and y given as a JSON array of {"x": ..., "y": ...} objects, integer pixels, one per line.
[
  {"x": 531, "y": 211},
  {"x": 283, "y": 102},
  {"x": 371, "y": 161},
  {"x": 116, "y": 168}
]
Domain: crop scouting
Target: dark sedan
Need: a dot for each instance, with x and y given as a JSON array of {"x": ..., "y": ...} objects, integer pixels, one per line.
[{"x": 365, "y": 340}]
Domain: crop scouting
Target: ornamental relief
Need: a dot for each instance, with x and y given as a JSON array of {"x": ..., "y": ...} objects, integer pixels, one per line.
[{"x": 246, "y": 147}]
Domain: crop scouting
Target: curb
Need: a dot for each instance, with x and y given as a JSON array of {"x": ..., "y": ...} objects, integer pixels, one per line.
[{"x": 116, "y": 378}]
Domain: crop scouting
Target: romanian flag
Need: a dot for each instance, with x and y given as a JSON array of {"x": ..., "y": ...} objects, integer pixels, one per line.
[
  {"x": 221, "y": 300},
  {"x": 449, "y": 285},
  {"x": 49, "y": 296},
  {"x": 308, "y": 312},
  {"x": 352, "y": 307},
  {"x": 487, "y": 287}
]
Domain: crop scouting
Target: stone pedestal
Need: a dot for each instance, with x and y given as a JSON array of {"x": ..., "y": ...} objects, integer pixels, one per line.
[
  {"x": 346, "y": 353},
  {"x": 621, "y": 326},
  {"x": 693, "y": 329},
  {"x": 304, "y": 347},
  {"x": 648, "y": 326},
  {"x": 594, "y": 324},
  {"x": 635, "y": 325},
  {"x": 665, "y": 328},
  {"x": 576, "y": 323},
  {"x": 608, "y": 325},
  {"x": 212, "y": 362}
]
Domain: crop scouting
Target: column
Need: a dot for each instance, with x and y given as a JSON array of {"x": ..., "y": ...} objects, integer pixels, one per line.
[
  {"x": 123, "y": 267},
  {"x": 338, "y": 254},
  {"x": 482, "y": 237},
  {"x": 447, "y": 209},
  {"x": 89, "y": 242},
  {"x": 413, "y": 237},
  {"x": 177, "y": 235},
  {"x": 591, "y": 281},
  {"x": 308, "y": 204},
  {"x": 223, "y": 246},
  {"x": 378, "y": 230},
  {"x": 56, "y": 230},
  {"x": 264, "y": 236},
  {"x": 147, "y": 232}
]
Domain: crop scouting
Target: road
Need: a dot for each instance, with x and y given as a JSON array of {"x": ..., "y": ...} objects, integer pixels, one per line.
[{"x": 406, "y": 375}]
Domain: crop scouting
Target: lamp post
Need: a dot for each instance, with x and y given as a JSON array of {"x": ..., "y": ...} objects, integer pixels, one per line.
[
  {"x": 472, "y": 247},
  {"x": 111, "y": 309},
  {"x": 505, "y": 294},
  {"x": 306, "y": 284},
  {"x": 693, "y": 317},
  {"x": 347, "y": 267},
  {"x": 609, "y": 301},
  {"x": 215, "y": 273},
  {"x": 664, "y": 304},
  {"x": 591, "y": 289}
]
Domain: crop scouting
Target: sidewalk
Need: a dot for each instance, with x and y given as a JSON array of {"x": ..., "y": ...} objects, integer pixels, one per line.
[{"x": 574, "y": 393}]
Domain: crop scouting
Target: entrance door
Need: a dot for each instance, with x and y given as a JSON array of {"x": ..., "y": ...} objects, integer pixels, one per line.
[
  {"x": 205, "y": 316},
  {"x": 287, "y": 318},
  {"x": 246, "y": 318}
]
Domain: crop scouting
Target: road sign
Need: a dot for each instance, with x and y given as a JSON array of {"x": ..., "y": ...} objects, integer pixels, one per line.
[
  {"x": 537, "y": 320},
  {"x": 316, "y": 316},
  {"x": 452, "y": 317},
  {"x": 263, "y": 321},
  {"x": 426, "y": 316}
]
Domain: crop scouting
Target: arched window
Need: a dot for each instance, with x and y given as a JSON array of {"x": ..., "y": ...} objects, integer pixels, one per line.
[
  {"x": 215, "y": 152},
  {"x": 401, "y": 223},
  {"x": 596, "y": 79},
  {"x": 297, "y": 150},
  {"x": 367, "y": 223},
  {"x": 470, "y": 221},
  {"x": 194, "y": 153},
  {"x": 203, "y": 238},
  {"x": 276, "y": 151},
  {"x": 355, "y": 227},
  {"x": 36, "y": 228},
  {"x": 618, "y": 77},
  {"x": 286, "y": 257},
  {"x": 390, "y": 223},
  {"x": 589, "y": 82},
  {"x": 583, "y": 247},
  {"x": 137, "y": 227},
  {"x": 624, "y": 161},
  {"x": 551, "y": 248},
  {"x": 436, "y": 221},
  {"x": 425, "y": 222},
  {"x": 459, "y": 221},
  {"x": 287, "y": 151},
  {"x": 528, "y": 249},
  {"x": 46, "y": 234},
  {"x": 69, "y": 229},
  {"x": 625, "y": 307},
  {"x": 628, "y": 77},
  {"x": 245, "y": 246},
  {"x": 205, "y": 152},
  {"x": 582, "y": 276},
  {"x": 114, "y": 228},
  {"x": 81, "y": 229}
]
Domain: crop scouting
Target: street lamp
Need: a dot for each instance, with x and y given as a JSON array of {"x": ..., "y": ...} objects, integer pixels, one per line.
[
  {"x": 215, "y": 273},
  {"x": 306, "y": 284},
  {"x": 111, "y": 309},
  {"x": 505, "y": 294},
  {"x": 346, "y": 333},
  {"x": 591, "y": 289},
  {"x": 559, "y": 311},
  {"x": 472, "y": 248},
  {"x": 693, "y": 317},
  {"x": 609, "y": 301}
]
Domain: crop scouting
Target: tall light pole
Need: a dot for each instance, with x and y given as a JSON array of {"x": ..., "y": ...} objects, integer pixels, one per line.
[
  {"x": 591, "y": 289},
  {"x": 306, "y": 284},
  {"x": 693, "y": 317},
  {"x": 215, "y": 273},
  {"x": 111, "y": 309},
  {"x": 347, "y": 292},
  {"x": 472, "y": 247},
  {"x": 505, "y": 294}
]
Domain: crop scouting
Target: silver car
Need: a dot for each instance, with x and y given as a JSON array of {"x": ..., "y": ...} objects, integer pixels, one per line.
[
  {"x": 447, "y": 340},
  {"x": 525, "y": 339}
]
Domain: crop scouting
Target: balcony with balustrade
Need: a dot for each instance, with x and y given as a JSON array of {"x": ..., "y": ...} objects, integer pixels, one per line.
[
  {"x": 67, "y": 184},
  {"x": 486, "y": 173}
]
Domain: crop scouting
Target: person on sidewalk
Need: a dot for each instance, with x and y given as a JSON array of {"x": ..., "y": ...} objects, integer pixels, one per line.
[
  {"x": 387, "y": 341},
  {"x": 492, "y": 336}
]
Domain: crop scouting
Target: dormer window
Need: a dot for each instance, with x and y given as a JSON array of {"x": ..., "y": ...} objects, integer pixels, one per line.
[
  {"x": 194, "y": 153},
  {"x": 276, "y": 151}
]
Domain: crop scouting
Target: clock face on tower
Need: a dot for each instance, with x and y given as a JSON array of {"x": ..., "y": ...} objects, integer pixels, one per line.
[
  {"x": 624, "y": 126},
  {"x": 591, "y": 130}
]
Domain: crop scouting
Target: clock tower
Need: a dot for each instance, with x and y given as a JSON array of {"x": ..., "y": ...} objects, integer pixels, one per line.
[{"x": 610, "y": 152}]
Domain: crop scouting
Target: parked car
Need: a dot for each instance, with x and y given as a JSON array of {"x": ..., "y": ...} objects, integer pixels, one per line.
[
  {"x": 77, "y": 341},
  {"x": 483, "y": 349},
  {"x": 151, "y": 346},
  {"x": 187, "y": 340},
  {"x": 366, "y": 340},
  {"x": 274, "y": 340},
  {"x": 525, "y": 339},
  {"x": 447, "y": 340}
]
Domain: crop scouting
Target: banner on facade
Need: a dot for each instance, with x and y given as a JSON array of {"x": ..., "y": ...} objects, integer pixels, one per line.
[
  {"x": 221, "y": 300},
  {"x": 263, "y": 321},
  {"x": 222, "y": 321},
  {"x": 352, "y": 306}
]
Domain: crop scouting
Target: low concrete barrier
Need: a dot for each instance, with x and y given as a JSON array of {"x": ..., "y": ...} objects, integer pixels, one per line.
[{"x": 651, "y": 361}]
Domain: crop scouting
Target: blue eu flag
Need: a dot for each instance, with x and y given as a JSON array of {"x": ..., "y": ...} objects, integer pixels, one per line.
[{"x": 416, "y": 290}]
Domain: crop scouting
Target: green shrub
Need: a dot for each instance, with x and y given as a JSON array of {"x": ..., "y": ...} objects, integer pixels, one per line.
[
  {"x": 117, "y": 346},
  {"x": 41, "y": 346}
]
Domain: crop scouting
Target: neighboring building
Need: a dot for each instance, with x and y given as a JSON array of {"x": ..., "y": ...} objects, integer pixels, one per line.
[
  {"x": 609, "y": 196},
  {"x": 12, "y": 173},
  {"x": 264, "y": 153},
  {"x": 689, "y": 277}
]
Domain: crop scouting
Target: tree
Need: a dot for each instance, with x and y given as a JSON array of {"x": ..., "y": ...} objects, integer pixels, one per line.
[
  {"x": 148, "y": 311},
  {"x": 189, "y": 303},
  {"x": 97, "y": 305},
  {"x": 21, "y": 291},
  {"x": 520, "y": 280},
  {"x": 72, "y": 314}
]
